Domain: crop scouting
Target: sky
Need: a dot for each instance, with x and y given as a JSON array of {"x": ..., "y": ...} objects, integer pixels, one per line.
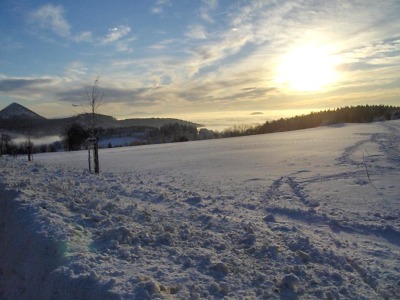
[{"x": 217, "y": 62}]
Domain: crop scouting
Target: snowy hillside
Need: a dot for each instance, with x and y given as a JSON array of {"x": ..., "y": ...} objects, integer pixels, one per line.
[{"x": 311, "y": 214}]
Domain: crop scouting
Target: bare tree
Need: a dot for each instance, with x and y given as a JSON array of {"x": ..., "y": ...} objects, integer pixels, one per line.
[
  {"x": 4, "y": 143},
  {"x": 94, "y": 98}
]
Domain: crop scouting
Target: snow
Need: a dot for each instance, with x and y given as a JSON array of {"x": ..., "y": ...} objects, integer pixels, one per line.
[{"x": 310, "y": 214}]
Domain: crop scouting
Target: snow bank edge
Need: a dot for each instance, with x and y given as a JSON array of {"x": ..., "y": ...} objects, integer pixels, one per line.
[{"x": 33, "y": 265}]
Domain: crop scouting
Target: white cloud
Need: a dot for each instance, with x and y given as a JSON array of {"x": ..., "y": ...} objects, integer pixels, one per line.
[
  {"x": 123, "y": 45},
  {"x": 117, "y": 37},
  {"x": 163, "y": 44},
  {"x": 85, "y": 36},
  {"x": 197, "y": 32},
  {"x": 116, "y": 34},
  {"x": 218, "y": 46},
  {"x": 206, "y": 9},
  {"x": 51, "y": 17},
  {"x": 159, "y": 5},
  {"x": 210, "y": 3},
  {"x": 76, "y": 70}
]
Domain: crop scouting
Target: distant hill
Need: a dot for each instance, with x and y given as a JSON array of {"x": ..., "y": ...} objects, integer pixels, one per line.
[
  {"x": 17, "y": 111},
  {"x": 19, "y": 119}
]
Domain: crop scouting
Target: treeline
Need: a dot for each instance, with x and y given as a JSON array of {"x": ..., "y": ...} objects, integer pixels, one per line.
[
  {"x": 172, "y": 133},
  {"x": 75, "y": 136},
  {"x": 353, "y": 114}
]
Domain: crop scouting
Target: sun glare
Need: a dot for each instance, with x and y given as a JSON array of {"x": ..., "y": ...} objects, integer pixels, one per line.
[{"x": 306, "y": 69}]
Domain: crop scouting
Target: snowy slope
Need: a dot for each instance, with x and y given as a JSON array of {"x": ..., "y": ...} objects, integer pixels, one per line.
[{"x": 311, "y": 214}]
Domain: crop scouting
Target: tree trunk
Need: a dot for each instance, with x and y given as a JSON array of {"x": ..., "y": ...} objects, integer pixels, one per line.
[
  {"x": 1, "y": 145},
  {"x": 89, "y": 158},
  {"x": 30, "y": 153},
  {"x": 96, "y": 157}
]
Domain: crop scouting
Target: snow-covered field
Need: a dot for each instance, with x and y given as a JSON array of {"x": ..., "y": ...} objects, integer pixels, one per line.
[{"x": 310, "y": 214}]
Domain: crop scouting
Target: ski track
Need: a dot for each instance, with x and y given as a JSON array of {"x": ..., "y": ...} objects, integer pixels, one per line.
[{"x": 308, "y": 214}]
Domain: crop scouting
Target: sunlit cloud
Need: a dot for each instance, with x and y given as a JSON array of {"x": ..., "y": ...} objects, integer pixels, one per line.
[
  {"x": 116, "y": 33},
  {"x": 163, "y": 44},
  {"x": 85, "y": 36},
  {"x": 197, "y": 32},
  {"x": 75, "y": 70},
  {"x": 118, "y": 37},
  {"x": 159, "y": 6},
  {"x": 215, "y": 51},
  {"x": 383, "y": 52},
  {"x": 208, "y": 6},
  {"x": 51, "y": 17}
]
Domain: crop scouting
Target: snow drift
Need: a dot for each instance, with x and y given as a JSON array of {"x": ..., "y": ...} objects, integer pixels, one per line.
[{"x": 308, "y": 214}]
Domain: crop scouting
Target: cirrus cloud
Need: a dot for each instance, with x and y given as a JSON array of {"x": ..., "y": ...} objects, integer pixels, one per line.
[
  {"x": 116, "y": 34},
  {"x": 51, "y": 17}
]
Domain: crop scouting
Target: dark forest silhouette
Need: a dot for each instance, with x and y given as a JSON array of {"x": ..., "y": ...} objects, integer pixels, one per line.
[{"x": 352, "y": 114}]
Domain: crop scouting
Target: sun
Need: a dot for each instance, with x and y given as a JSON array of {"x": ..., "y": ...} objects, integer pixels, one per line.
[{"x": 308, "y": 68}]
